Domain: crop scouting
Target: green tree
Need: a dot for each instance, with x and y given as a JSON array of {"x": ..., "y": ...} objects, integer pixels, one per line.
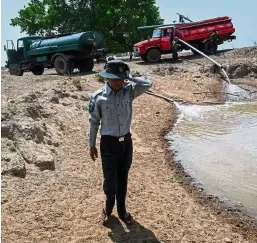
[{"x": 115, "y": 20}]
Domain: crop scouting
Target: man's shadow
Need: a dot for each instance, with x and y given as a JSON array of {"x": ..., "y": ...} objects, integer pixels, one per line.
[{"x": 135, "y": 233}]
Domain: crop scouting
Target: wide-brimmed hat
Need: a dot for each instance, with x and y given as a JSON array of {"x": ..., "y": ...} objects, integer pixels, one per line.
[{"x": 115, "y": 69}]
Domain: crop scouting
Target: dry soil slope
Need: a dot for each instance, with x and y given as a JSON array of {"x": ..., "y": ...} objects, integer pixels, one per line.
[{"x": 52, "y": 191}]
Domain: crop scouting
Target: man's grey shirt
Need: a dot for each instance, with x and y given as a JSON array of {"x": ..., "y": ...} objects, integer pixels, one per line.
[{"x": 114, "y": 111}]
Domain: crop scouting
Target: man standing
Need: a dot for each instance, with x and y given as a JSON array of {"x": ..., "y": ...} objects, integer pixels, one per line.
[
  {"x": 112, "y": 108},
  {"x": 214, "y": 39},
  {"x": 214, "y": 36}
]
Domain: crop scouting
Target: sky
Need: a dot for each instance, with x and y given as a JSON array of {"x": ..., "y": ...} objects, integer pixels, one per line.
[{"x": 243, "y": 15}]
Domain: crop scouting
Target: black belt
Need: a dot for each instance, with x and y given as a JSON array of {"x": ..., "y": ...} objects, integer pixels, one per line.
[{"x": 120, "y": 139}]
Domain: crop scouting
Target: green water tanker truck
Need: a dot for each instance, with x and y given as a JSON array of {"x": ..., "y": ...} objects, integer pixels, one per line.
[{"x": 63, "y": 52}]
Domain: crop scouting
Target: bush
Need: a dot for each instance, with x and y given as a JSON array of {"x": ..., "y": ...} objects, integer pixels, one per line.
[{"x": 100, "y": 78}]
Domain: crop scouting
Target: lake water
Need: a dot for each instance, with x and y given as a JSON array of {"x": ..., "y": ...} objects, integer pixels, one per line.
[{"x": 217, "y": 145}]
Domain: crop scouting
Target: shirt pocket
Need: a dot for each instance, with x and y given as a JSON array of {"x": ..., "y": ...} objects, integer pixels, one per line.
[
  {"x": 126, "y": 104},
  {"x": 107, "y": 112}
]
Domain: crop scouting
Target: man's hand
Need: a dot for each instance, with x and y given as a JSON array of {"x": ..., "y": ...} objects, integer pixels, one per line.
[{"x": 93, "y": 153}]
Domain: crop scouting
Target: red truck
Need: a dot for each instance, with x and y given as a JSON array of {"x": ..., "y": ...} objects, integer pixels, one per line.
[{"x": 196, "y": 34}]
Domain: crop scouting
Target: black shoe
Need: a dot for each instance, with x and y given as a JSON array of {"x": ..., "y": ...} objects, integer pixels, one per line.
[{"x": 127, "y": 219}]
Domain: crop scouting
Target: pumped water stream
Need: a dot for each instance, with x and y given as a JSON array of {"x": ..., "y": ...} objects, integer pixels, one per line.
[{"x": 217, "y": 146}]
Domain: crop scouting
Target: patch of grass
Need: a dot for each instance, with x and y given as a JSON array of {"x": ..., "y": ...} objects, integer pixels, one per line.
[
  {"x": 172, "y": 180},
  {"x": 13, "y": 146},
  {"x": 12, "y": 149},
  {"x": 244, "y": 108}
]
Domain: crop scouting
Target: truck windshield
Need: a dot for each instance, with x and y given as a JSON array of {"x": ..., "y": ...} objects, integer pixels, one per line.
[{"x": 156, "y": 33}]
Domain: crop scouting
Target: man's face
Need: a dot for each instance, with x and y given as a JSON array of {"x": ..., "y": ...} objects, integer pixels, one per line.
[{"x": 116, "y": 84}]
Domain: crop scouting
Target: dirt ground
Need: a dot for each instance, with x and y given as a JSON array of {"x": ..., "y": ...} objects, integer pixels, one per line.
[{"x": 52, "y": 190}]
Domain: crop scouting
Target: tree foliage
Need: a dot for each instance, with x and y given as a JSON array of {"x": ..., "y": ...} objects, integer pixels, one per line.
[{"x": 115, "y": 20}]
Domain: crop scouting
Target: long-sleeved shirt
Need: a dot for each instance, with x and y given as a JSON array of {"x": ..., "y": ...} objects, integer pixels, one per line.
[{"x": 114, "y": 110}]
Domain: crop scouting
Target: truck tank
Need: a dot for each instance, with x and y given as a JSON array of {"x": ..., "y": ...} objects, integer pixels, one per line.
[
  {"x": 222, "y": 24},
  {"x": 79, "y": 41}
]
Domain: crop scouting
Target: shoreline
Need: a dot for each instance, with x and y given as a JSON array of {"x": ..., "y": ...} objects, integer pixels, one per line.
[{"x": 228, "y": 212}]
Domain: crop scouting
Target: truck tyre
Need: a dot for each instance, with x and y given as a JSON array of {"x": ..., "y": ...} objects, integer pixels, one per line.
[
  {"x": 63, "y": 66},
  {"x": 71, "y": 66},
  {"x": 153, "y": 55},
  {"x": 143, "y": 57},
  {"x": 210, "y": 48},
  {"x": 174, "y": 55},
  {"x": 20, "y": 73},
  {"x": 14, "y": 70},
  {"x": 37, "y": 70},
  {"x": 175, "y": 51},
  {"x": 86, "y": 65}
]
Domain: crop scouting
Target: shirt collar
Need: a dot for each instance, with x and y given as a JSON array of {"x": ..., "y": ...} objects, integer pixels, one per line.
[{"x": 108, "y": 89}]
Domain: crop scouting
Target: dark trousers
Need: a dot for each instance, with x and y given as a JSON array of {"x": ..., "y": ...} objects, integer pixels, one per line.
[
  {"x": 116, "y": 161},
  {"x": 213, "y": 46}
]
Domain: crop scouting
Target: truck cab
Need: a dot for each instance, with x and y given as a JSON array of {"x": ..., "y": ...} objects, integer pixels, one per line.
[
  {"x": 160, "y": 43},
  {"x": 165, "y": 35},
  {"x": 19, "y": 55}
]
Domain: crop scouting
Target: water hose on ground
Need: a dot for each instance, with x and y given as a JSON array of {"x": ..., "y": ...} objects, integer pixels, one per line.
[
  {"x": 226, "y": 78},
  {"x": 159, "y": 96},
  {"x": 204, "y": 55}
]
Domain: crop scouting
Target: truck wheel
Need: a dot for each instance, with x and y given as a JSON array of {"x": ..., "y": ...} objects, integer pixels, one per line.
[
  {"x": 71, "y": 66},
  {"x": 143, "y": 57},
  {"x": 174, "y": 55},
  {"x": 63, "y": 66},
  {"x": 20, "y": 73},
  {"x": 210, "y": 48},
  {"x": 14, "y": 70},
  {"x": 37, "y": 70},
  {"x": 86, "y": 65},
  {"x": 153, "y": 55}
]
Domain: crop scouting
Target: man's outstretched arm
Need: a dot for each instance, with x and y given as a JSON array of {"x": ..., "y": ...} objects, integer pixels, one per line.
[{"x": 139, "y": 85}]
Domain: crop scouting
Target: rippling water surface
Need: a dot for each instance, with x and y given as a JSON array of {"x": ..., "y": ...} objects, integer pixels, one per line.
[{"x": 217, "y": 145}]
